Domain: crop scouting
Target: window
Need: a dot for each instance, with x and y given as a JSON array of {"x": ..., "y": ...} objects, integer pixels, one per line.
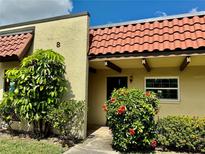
[{"x": 165, "y": 88}]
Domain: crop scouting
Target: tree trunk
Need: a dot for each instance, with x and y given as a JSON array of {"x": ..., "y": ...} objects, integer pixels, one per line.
[
  {"x": 35, "y": 127},
  {"x": 47, "y": 129},
  {"x": 41, "y": 131}
]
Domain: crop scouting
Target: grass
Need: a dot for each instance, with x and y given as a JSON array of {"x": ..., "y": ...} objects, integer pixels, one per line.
[{"x": 9, "y": 145}]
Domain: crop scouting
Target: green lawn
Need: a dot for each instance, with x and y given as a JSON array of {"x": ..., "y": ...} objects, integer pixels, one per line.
[{"x": 10, "y": 145}]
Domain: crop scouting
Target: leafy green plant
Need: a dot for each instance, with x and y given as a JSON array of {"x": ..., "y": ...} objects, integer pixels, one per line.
[
  {"x": 39, "y": 87},
  {"x": 130, "y": 116},
  {"x": 68, "y": 118},
  {"x": 7, "y": 109},
  {"x": 182, "y": 133}
]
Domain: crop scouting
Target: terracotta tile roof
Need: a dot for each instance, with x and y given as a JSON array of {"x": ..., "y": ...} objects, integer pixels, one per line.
[
  {"x": 152, "y": 36},
  {"x": 14, "y": 46}
]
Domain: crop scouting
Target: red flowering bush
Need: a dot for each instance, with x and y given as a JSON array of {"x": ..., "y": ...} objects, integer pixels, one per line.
[{"x": 130, "y": 116}]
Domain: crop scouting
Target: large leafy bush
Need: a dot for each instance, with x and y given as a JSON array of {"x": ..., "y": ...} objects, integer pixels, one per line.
[
  {"x": 39, "y": 86},
  {"x": 182, "y": 133},
  {"x": 130, "y": 116},
  {"x": 37, "y": 95}
]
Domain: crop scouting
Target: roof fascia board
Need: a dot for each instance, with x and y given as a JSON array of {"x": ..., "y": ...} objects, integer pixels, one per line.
[{"x": 147, "y": 55}]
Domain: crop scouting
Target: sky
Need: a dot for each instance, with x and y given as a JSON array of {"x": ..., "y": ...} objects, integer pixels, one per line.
[
  {"x": 15, "y": 11},
  {"x": 101, "y": 11},
  {"x": 114, "y": 11}
]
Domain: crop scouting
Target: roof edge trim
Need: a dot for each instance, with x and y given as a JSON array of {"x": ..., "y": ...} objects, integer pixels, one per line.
[
  {"x": 17, "y": 31},
  {"x": 150, "y": 20},
  {"x": 148, "y": 54}
]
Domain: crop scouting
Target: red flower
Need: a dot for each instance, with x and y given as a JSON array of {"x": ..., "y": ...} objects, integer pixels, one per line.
[
  {"x": 132, "y": 131},
  {"x": 104, "y": 107},
  {"x": 148, "y": 93},
  {"x": 112, "y": 100},
  {"x": 153, "y": 144},
  {"x": 121, "y": 109}
]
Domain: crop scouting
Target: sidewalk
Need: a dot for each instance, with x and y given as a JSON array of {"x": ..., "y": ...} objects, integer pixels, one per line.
[{"x": 98, "y": 142}]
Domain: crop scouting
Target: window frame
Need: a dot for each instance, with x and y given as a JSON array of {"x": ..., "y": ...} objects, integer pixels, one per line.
[{"x": 165, "y": 77}]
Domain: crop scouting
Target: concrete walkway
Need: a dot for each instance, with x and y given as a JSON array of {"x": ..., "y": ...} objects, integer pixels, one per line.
[{"x": 98, "y": 142}]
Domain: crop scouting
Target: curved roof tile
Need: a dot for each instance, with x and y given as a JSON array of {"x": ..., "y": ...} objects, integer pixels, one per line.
[
  {"x": 14, "y": 46},
  {"x": 168, "y": 34}
]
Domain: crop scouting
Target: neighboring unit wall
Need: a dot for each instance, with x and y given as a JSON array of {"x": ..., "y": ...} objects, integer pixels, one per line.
[
  {"x": 191, "y": 86},
  {"x": 72, "y": 33}
]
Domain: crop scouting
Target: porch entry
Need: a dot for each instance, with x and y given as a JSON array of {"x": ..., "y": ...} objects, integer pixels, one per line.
[{"x": 115, "y": 83}]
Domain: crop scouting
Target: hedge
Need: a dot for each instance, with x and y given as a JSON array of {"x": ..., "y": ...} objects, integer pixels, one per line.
[{"x": 182, "y": 133}]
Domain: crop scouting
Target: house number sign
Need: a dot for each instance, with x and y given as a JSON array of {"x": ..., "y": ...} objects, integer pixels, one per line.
[{"x": 58, "y": 44}]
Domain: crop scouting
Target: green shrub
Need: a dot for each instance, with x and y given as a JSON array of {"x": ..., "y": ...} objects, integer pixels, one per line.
[
  {"x": 130, "y": 116},
  {"x": 39, "y": 86},
  {"x": 68, "y": 118},
  {"x": 36, "y": 96},
  {"x": 7, "y": 109},
  {"x": 182, "y": 133}
]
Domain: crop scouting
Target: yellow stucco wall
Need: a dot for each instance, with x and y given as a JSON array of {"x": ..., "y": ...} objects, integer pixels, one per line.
[
  {"x": 191, "y": 86},
  {"x": 72, "y": 33}
]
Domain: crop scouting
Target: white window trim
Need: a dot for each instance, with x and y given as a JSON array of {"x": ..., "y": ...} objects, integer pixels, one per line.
[{"x": 165, "y": 77}]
